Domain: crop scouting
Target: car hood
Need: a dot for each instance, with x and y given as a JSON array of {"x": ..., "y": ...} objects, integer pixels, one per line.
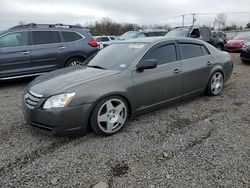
[
  {"x": 61, "y": 80},
  {"x": 234, "y": 41}
]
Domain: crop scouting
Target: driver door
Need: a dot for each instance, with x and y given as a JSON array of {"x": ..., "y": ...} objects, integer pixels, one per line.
[{"x": 161, "y": 84}]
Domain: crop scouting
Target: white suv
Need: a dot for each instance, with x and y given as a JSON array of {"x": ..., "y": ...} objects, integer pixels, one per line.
[{"x": 104, "y": 41}]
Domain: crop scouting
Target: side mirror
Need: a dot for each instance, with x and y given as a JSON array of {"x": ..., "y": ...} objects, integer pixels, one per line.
[{"x": 147, "y": 64}]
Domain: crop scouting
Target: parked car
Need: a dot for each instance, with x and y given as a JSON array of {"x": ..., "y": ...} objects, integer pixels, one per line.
[
  {"x": 143, "y": 33},
  {"x": 236, "y": 43},
  {"x": 221, "y": 34},
  {"x": 245, "y": 53},
  {"x": 104, "y": 41},
  {"x": 123, "y": 80},
  {"x": 33, "y": 49},
  {"x": 204, "y": 33}
]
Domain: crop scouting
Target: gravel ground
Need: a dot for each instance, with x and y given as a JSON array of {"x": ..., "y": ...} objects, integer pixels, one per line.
[{"x": 200, "y": 142}]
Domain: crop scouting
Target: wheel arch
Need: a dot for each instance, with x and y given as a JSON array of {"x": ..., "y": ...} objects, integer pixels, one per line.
[
  {"x": 215, "y": 69},
  {"x": 115, "y": 94}
]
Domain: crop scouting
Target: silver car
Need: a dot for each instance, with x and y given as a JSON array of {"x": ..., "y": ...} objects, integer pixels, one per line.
[{"x": 124, "y": 80}]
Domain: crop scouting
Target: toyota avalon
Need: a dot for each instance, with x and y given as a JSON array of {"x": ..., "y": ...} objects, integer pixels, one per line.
[{"x": 123, "y": 80}]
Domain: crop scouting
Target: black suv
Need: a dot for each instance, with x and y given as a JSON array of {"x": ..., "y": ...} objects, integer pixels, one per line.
[
  {"x": 33, "y": 49},
  {"x": 200, "y": 32}
]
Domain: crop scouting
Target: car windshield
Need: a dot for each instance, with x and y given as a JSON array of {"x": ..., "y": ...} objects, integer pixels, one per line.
[
  {"x": 177, "y": 33},
  {"x": 116, "y": 56},
  {"x": 242, "y": 36},
  {"x": 129, "y": 35}
]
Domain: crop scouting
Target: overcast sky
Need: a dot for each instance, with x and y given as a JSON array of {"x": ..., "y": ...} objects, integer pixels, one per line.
[{"x": 134, "y": 11}]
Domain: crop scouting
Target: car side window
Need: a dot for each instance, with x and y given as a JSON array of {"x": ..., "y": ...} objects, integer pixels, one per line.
[
  {"x": 163, "y": 54},
  {"x": 112, "y": 38},
  {"x": 71, "y": 36},
  {"x": 189, "y": 50},
  {"x": 205, "y": 50},
  {"x": 14, "y": 39},
  {"x": 45, "y": 37}
]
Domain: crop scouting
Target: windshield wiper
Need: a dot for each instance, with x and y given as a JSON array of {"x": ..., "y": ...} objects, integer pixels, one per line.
[{"x": 96, "y": 66}]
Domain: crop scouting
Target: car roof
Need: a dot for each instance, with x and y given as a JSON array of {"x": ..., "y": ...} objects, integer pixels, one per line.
[
  {"x": 50, "y": 27},
  {"x": 155, "y": 40}
]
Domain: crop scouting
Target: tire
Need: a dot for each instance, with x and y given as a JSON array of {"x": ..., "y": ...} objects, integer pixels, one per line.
[
  {"x": 73, "y": 62},
  {"x": 215, "y": 84},
  {"x": 245, "y": 61},
  {"x": 220, "y": 47},
  {"x": 109, "y": 116}
]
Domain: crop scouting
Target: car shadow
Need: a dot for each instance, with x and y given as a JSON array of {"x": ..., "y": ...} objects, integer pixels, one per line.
[{"x": 15, "y": 82}]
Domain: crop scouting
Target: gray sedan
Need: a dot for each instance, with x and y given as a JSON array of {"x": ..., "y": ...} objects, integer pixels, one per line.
[{"x": 124, "y": 80}]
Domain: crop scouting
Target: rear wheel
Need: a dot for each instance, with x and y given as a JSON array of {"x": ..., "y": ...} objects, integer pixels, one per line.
[
  {"x": 109, "y": 116},
  {"x": 74, "y": 61},
  {"x": 215, "y": 84}
]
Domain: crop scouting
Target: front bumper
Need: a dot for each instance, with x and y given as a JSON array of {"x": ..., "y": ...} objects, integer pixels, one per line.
[{"x": 67, "y": 121}]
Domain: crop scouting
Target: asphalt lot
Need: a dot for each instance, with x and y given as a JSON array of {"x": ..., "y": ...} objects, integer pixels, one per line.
[{"x": 199, "y": 142}]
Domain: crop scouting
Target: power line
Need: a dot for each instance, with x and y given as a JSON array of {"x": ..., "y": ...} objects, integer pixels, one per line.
[{"x": 192, "y": 14}]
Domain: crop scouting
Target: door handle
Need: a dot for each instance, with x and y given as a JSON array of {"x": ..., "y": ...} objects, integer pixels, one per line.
[
  {"x": 25, "y": 52},
  {"x": 61, "y": 47},
  {"x": 209, "y": 63},
  {"x": 177, "y": 71}
]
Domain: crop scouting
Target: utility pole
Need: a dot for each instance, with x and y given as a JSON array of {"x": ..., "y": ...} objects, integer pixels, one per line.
[
  {"x": 183, "y": 19},
  {"x": 194, "y": 19}
]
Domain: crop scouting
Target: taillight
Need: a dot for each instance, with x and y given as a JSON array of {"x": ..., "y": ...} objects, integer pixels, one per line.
[{"x": 93, "y": 43}]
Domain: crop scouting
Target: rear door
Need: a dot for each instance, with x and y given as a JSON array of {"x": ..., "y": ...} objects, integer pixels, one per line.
[
  {"x": 15, "y": 54},
  {"x": 162, "y": 84},
  {"x": 196, "y": 64},
  {"x": 47, "y": 51}
]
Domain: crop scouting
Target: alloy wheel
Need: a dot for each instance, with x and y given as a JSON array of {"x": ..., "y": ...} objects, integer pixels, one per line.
[
  {"x": 112, "y": 115},
  {"x": 217, "y": 83},
  {"x": 74, "y": 63}
]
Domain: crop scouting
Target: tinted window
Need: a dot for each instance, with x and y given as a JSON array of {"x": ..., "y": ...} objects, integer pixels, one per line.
[
  {"x": 45, "y": 37},
  {"x": 205, "y": 50},
  {"x": 163, "y": 54},
  {"x": 190, "y": 50},
  {"x": 14, "y": 39},
  {"x": 112, "y": 38},
  {"x": 102, "y": 39},
  {"x": 71, "y": 36}
]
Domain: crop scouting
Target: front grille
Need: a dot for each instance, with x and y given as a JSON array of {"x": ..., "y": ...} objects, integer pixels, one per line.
[{"x": 31, "y": 99}]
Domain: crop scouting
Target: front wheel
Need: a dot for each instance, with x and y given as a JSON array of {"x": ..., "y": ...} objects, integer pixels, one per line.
[
  {"x": 215, "y": 84},
  {"x": 109, "y": 116}
]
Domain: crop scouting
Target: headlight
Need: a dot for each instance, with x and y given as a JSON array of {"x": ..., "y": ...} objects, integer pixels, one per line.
[{"x": 58, "y": 101}]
